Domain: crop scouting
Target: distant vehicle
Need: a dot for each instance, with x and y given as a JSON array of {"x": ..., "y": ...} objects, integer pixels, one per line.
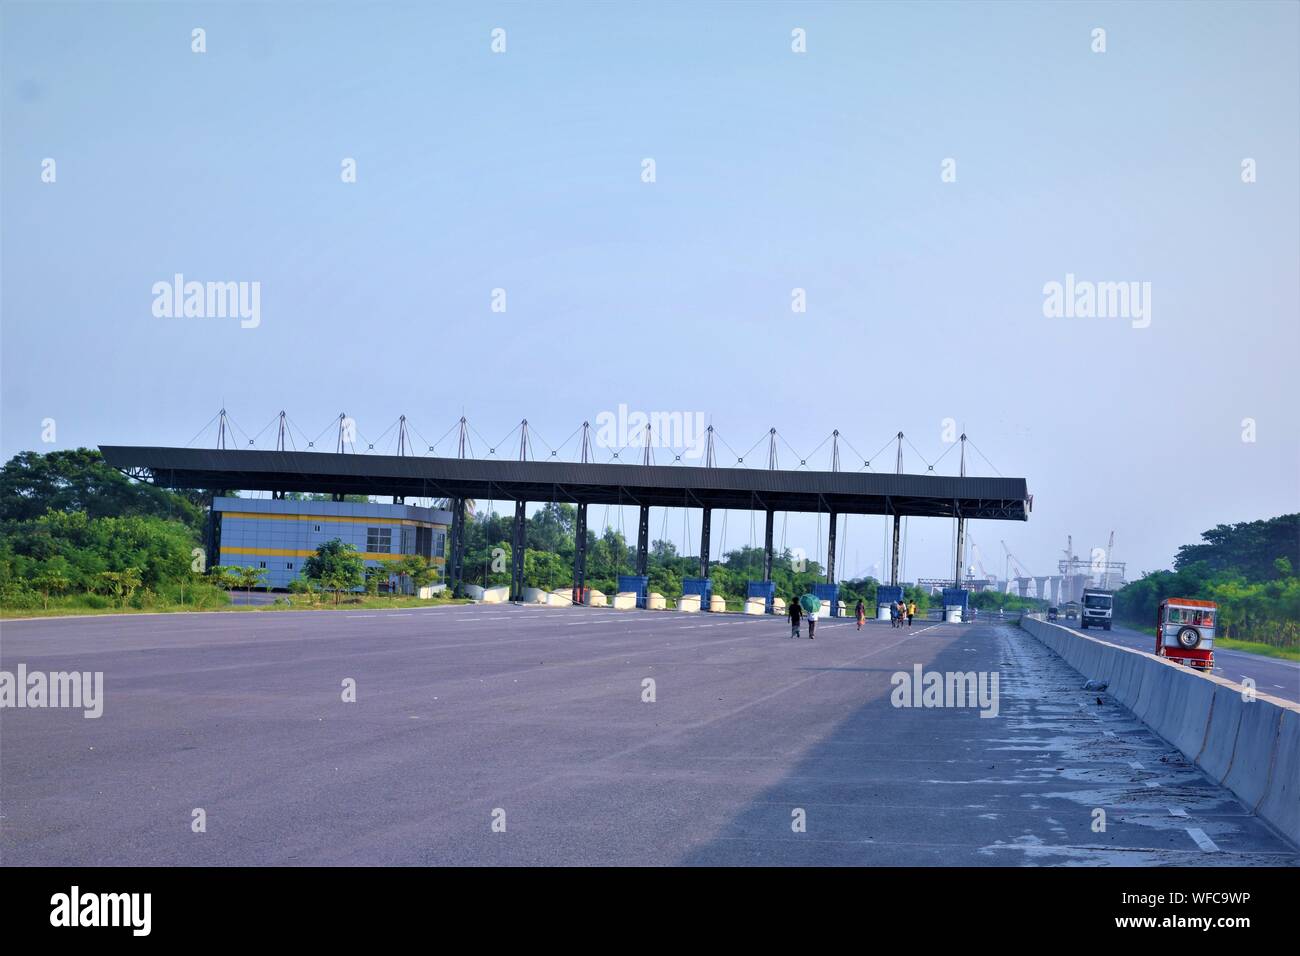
[
  {"x": 1072, "y": 611},
  {"x": 1053, "y": 613},
  {"x": 1185, "y": 632},
  {"x": 1098, "y": 606}
]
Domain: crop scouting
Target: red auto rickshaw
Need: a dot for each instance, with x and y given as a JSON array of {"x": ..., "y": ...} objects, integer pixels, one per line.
[{"x": 1185, "y": 632}]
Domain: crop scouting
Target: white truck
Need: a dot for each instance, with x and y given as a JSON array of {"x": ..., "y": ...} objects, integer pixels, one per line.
[{"x": 1098, "y": 607}]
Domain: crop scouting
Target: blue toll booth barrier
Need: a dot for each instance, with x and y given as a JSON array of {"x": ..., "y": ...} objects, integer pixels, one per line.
[
  {"x": 701, "y": 586},
  {"x": 958, "y": 600},
  {"x": 887, "y": 594},
  {"x": 764, "y": 589},
  {"x": 639, "y": 584},
  {"x": 828, "y": 593}
]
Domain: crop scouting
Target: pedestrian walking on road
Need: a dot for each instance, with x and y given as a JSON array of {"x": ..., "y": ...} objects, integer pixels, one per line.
[
  {"x": 812, "y": 605},
  {"x": 893, "y": 614},
  {"x": 911, "y": 612},
  {"x": 796, "y": 612},
  {"x": 861, "y": 613},
  {"x": 902, "y": 613}
]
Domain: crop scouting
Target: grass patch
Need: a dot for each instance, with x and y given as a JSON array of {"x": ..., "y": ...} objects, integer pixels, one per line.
[
  {"x": 66, "y": 607},
  {"x": 355, "y": 602},
  {"x": 1255, "y": 647}
]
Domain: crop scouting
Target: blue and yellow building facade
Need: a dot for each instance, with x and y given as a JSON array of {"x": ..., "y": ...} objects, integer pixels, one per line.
[{"x": 279, "y": 535}]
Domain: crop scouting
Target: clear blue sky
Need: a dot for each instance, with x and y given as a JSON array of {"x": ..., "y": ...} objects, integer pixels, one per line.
[{"x": 774, "y": 170}]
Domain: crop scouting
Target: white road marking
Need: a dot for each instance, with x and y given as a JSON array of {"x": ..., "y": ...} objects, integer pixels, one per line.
[
  {"x": 1204, "y": 842},
  {"x": 1136, "y": 764},
  {"x": 1177, "y": 812}
]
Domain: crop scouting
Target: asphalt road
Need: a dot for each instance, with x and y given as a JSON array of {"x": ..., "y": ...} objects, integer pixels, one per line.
[
  {"x": 535, "y": 717},
  {"x": 1271, "y": 675}
]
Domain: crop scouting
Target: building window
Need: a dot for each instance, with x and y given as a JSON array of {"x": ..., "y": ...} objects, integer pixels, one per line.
[
  {"x": 288, "y": 565},
  {"x": 407, "y": 547},
  {"x": 439, "y": 544},
  {"x": 261, "y": 564},
  {"x": 315, "y": 527},
  {"x": 379, "y": 540}
]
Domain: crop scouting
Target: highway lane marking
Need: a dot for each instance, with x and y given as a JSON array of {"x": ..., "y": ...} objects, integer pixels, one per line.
[
  {"x": 1136, "y": 765},
  {"x": 1203, "y": 841},
  {"x": 924, "y": 629},
  {"x": 1177, "y": 812}
]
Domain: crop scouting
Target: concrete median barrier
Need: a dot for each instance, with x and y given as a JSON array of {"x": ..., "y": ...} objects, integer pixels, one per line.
[
  {"x": 1281, "y": 803},
  {"x": 1254, "y": 758},
  {"x": 1215, "y": 755},
  {"x": 1251, "y": 746}
]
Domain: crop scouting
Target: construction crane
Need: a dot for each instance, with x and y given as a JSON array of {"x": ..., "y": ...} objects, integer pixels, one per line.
[
  {"x": 1013, "y": 560},
  {"x": 978, "y": 562}
]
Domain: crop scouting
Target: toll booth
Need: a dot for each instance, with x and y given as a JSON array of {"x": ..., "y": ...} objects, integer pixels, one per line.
[
  {"x": 638, "y": 584},
  {"x": 701, "y": 586},
  {"x": 831, "y": 593},
  {"x": 763, "y": 589},
  {"x": 956, "y": 604},
  {"x": 887, "y": 595}
]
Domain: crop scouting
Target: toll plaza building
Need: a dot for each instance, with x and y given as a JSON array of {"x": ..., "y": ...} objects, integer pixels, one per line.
[{"x": 279, "y": 535}]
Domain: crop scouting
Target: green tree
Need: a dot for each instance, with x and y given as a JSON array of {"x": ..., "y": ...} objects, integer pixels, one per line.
[
  {"x": 69, "y": 480},
  {"x": 249, "y": 578},
  {"x": 121, "y": 584},
  {"x": 337, "y": 567},
  {"x": 50, "y": 582},
  {"x": 1250, "y": 548}
]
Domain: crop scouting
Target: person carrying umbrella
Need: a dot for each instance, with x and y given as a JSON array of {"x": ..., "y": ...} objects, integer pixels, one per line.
[{"x": 811, "y": 605}]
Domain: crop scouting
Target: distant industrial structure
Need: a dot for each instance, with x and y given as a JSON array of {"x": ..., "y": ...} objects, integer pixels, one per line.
[{"x": 1074, "y": 573}]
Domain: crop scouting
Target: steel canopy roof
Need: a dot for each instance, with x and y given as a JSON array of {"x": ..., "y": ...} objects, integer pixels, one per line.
[{"x": 660, "y": 486}]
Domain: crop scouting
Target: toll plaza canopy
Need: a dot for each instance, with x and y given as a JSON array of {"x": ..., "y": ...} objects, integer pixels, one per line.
[{"x": 660, "y": 486}]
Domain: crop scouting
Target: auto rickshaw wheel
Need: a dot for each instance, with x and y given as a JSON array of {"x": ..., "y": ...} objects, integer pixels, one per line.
[{"x": 1189, "y": 637}]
